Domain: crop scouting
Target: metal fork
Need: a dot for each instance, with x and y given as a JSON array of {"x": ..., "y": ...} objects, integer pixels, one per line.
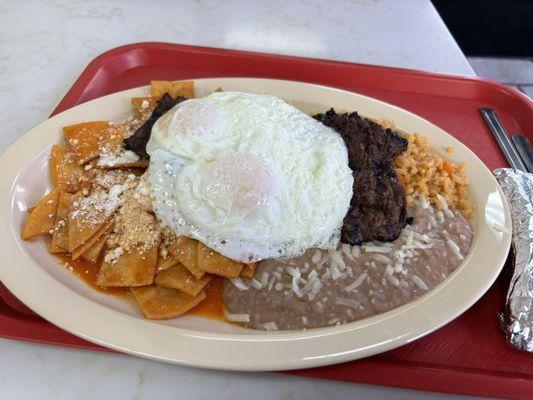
[{"x": 499, "y": 132}]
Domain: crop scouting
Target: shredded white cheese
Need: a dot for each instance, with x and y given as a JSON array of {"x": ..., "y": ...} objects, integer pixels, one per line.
[
  {"x": 360, "y": 279},
  {"x": 419, "y": 282},
  {"x": 255, "y": 284},
  {"x": 410, "y": 237},
  {"x": 347, "y": 251},
  {"x": 389, "y": 274},
  {"x": 376, "y": 249},
  {"x": 236, "y": 317},
  {"x": 316, "y": 257},
  {"x": 264, "y": 279},
  {"x": 317, "y": 285},
  {"x": 454, "y": 248},
  {"x": 270, "y": 326},
  {"x": 239, "y": 284},
  {"x": 295, "y": 273},
  {"x": 346, "y": 302},
  {"x": 448, "y": 213},
  {"x": 271, "y": 283},
  {"x": 382, "y": 258},
  {"x": 313, "y": 274},
  {"x": 336, "y": 259}
]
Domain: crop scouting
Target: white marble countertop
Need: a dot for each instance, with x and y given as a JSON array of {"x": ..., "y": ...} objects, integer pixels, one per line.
[{"x": 45, "y": 45}]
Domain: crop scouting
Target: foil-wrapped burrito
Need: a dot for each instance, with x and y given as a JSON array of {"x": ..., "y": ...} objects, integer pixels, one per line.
[{"x": 516, "y": 318}]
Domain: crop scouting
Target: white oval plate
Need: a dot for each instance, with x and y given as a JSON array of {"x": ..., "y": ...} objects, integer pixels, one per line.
[{"x": 53, "y": 292}]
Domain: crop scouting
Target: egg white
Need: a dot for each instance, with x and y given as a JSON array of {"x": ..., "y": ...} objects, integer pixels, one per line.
[{"x": 249, "y": 175}]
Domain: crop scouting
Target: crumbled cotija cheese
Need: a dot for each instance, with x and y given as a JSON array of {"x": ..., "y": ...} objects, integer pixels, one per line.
[
  {"x": 121, "y": 158},
  {"x": 94, "y": 209},
  {"x": 135, "y": 226},
  {"x": 113, "y": 255},
  {"x": 108, "y": 179}
]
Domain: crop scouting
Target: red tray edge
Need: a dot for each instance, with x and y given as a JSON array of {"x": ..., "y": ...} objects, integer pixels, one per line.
[{"x": 95, "y": 65}]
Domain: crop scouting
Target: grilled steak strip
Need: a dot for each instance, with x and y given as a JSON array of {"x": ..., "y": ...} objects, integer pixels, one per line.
[
  {"x": 378, "y": 206},
  {"x": 137, "y": 142}
]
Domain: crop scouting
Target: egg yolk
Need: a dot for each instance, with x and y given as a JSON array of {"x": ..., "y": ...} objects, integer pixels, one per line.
[
  {"x": 201, "y": 120},
  {"x": 243, "y": 181}
]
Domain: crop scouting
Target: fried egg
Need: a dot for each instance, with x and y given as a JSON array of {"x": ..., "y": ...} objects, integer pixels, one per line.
[{"x": 249, "y": 175}]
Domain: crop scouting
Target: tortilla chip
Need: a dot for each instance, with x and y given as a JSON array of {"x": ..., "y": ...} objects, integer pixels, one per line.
[
  {"x": 248, "y": 270},
  {"x": 219, "y": 89},
  {"x": 215, "y": 263},
  {"x": 78, "y": 251},
  {"x": 64, "y": 169},
  {"x": 89, "y": 139},
  {"x": 59, "y": 243},
  {"x": 85, "y": 139},
  {"x": 158, "y": 302},
  {"x": 87, "y": 216},
  {"x": 174, "y": 89},
  {"x": 92, "y": 253},
  {"x": 179, "y": 277},
  {"x": 149, "y": 103},
  {"x": 166, "y": 262},
  {"x": 43, "y": 217},
  {"x": 130, "y": 269},
  {"x": 186, "y": 251},
  {"x": 100, "y": 178},
  {"x": 135, "y": 164}
]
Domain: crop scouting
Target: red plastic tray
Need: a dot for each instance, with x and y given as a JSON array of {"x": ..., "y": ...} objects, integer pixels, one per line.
[{"x": 467, "y": 356}]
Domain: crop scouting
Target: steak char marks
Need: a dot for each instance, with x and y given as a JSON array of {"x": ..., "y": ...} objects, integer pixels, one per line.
[{"x": 378, "y": 206}]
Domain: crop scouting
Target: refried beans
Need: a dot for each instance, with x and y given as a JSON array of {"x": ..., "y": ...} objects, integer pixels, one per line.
[{"x": 326, "y": 288}]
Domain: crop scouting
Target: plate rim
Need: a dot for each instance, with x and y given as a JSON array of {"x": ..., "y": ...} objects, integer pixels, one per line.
[{"x": 13, "y": 285}]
